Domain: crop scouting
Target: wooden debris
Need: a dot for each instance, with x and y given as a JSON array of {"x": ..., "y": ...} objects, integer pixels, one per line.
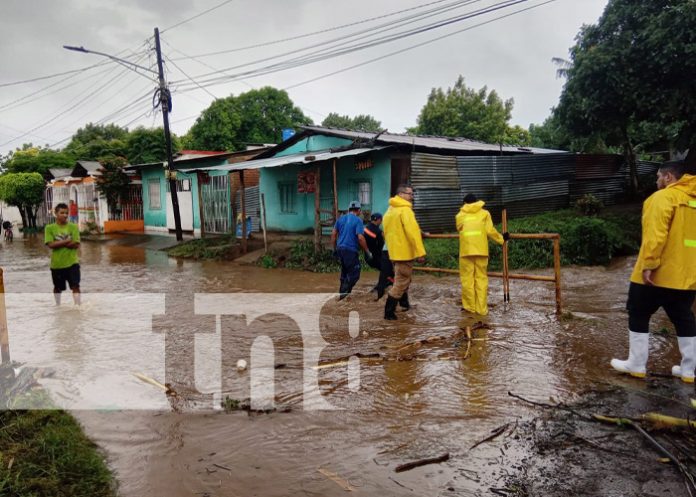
[
  {"x": 168, "y": 390},
  {"x": 495, "y": 433},
  {"x": 668, "y": 421},
  {"x": 400, "y": 484},
  {"x": 422, "y": 462},
  {"x": 341, "y": 482}
]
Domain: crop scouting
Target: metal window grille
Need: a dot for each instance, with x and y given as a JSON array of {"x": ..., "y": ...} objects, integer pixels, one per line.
[
  {"x": 154, "y": 193},
  {"x": 287, "y": 197}
]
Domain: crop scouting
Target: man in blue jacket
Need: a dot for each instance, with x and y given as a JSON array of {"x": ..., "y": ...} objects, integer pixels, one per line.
[{"x": 347, "y": 239}]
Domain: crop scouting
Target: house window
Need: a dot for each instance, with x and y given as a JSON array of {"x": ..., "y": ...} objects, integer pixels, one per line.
[
  {"x": 361, "y": 191},
  {"x": 182, "y": 185},
  {"x": 153, "y": 190},
  {"x": 287, "y": 197}
]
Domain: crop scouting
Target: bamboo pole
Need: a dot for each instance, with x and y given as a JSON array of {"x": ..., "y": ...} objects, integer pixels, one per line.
[
  {"x": 244, "y": 231},
  {"x": 557, "y": 273},
  {"x": 263, "y": 222},
  {"x": 4, "y": 334},
  {"x": 506, "y": 270},
  {"x": 491, "y": 274},
  {"x": 513, "y": 236},
  {"x": 317, "y": 210}
]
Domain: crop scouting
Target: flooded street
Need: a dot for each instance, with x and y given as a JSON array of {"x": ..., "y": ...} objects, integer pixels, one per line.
[{"x": 445, "y": 397}]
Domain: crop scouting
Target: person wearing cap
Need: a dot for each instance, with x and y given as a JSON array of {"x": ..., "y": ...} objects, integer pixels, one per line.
[
  {"x": 374, "y": 239},
  {"x": 475, "y": 227},
  {"x": 347, "y": 239},
  {"x": 403, "y": 236}
]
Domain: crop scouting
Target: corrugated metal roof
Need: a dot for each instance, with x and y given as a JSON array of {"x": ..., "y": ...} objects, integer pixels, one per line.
[
  {"x": 58, "y": 172},
  {"x": 303, "y": 158},
  {"x": 435, "y": 142}
]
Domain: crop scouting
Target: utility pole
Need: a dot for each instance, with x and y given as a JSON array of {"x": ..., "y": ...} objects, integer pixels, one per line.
[{"x": 165, "y": 99}]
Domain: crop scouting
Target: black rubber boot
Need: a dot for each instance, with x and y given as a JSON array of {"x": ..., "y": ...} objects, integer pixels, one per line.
[
  {"x": 390, "y": 308},
  {"x": 403, "y": 302},
  {"x": 343, "y": 291}
]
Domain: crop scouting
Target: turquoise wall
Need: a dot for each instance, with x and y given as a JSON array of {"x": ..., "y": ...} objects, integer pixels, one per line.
[
  {"x": 314, "y": 143},
  {"x": 158, "y": 217},
  {"x": 302, "y": 219}
]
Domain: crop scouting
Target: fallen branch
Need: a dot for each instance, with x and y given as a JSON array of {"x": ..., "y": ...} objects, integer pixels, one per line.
[
  {"x": 401, "y": 485},
  {"x": 151, "y": 381},
  {"x": 495, "y": 433},
  {"x": 422, "y": 462},
  {"x": 669, "y": 421},
  {"x": 549, "y": 406}
]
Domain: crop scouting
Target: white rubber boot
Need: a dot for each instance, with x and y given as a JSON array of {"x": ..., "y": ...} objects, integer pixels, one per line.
[
  {"x": 637, "y": 355},
  {"x": 687, "y": 347}
]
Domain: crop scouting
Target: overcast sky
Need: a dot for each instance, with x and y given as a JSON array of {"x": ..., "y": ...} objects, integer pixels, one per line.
[{"x": 511, "y": 55}]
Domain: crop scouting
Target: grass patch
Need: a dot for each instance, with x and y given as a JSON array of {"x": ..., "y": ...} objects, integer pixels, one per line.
[
  {"x": 45, "y": 453},
  {"x": 220, "y": 247}
]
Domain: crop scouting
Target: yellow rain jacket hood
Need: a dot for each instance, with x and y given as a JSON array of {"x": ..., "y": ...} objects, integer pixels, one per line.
[
  {"x": 401, "y": 231},
  {"x": 475, "y": 227},
  {"x": 669, "y": 236}
]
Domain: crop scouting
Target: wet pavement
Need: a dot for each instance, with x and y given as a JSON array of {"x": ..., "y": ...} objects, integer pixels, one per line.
[{"x": 450, "y": 393}]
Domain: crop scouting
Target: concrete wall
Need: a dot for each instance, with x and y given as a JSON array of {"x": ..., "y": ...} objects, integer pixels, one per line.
[{"x": 302, "y": 219}]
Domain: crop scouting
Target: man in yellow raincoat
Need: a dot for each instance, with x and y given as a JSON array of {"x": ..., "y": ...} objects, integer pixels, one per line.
[
  {"x": 665, "y": 272},
  {"x": 475, "y": 227},
  {"x": 405, "y": 245}
]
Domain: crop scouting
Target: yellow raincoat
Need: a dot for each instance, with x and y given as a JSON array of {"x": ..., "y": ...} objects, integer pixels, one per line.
[
  {"x": 475, "y": 227},
  {"x": 401, "y": 231},
  {"x": 669, "y": 236}
]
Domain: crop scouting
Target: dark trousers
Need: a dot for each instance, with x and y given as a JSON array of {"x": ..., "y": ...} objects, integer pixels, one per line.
[
  {"x": 644, "y": 301},
  {"x": 386, "y": 273},
  {"x": 350, "y": 269}
]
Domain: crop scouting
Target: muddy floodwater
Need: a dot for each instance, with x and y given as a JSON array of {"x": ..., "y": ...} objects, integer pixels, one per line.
[{"x": 444, "y": 396}]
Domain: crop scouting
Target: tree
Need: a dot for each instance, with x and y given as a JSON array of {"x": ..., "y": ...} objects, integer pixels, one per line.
[
  {"x": 634, "y": 66},
  {"x": 257, "y": 116},
  {"x": 113, "y": 182},
  {"x": 24, "y": 191},
  {"x": 463, "y": 111},
  {"x": 98, "y": 140},
  {"x": 361, "y": 122},
  {"x": 31, "y": 159},
  {"x": 148, "y": 145}
]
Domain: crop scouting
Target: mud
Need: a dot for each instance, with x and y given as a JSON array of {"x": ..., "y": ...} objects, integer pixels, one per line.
[{"x": 448, "y": 396}]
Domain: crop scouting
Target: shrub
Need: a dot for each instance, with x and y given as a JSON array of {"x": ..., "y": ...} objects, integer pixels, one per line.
[{"x": 589, "y": 205}]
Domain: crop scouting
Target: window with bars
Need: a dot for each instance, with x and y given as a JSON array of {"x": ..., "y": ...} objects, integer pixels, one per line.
[
  {"x": 154, "y": 194},
  {"x": 361, "y": 190},
  {"x": 286, "y": 193}
]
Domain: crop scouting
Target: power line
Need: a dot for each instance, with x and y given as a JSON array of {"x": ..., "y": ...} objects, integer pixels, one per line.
[
  {"x": 196, "y": 16},
  {"x": 321, "y": 31},
  {"x": 417, "y": 45},
  {"x": 190, "y": 78},
  {"x": 338, "y": 51},
  {"x": 373, "y": 31},
  {"x": 50, "y": 76}
]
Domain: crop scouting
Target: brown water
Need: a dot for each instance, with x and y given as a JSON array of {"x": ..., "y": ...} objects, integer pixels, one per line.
[{"x": 402, "y": 410}]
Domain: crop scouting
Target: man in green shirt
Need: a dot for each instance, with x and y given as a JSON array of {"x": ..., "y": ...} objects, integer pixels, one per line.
[{"x": 63, "y": 238}]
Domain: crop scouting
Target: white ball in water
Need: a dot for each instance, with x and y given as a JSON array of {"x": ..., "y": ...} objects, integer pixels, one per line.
[{"x": 241, "y": 365}]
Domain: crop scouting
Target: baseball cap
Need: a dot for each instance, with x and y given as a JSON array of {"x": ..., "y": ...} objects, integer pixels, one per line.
[
  {"x": 354, "y": 205},
  {"x": 375, "y": 216}
]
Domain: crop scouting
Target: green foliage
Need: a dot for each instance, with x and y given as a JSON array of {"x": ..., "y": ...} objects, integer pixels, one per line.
[
  {"x": 517, "y": 135},
  {"x": 113, "y": 182},
  {"x": 589, "y": 205},
  {"x": 303, "y": 256},
  {"x": 31, "y": 159},
  {"x": 205, "y": 248},
  {"x": 584, "y": 241},
  {"x": 148, "y": 145},
  {"x": 25, "y": 191},
  {"x": 98, "y": 140},
  {"x": 257, "y": 116},
  {"x": 362, "y": 122},
  {"x": 627, "y": 77},
  {"x": 267, "y": 262},
  {"x": 461, "y": 111},
  {"x": 230, "y": 404},
  {"x": 50, "y": 457}
]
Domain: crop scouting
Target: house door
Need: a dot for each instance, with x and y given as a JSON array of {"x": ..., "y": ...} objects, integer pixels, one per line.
[
  {"x": 183, "y": 194},
  {"x": 400, "y": 173}
]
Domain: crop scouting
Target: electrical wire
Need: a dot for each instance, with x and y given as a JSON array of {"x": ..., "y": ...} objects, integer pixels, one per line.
[
  {"x": 412, "y": 47},
  {"x": 196, "y": 16}
]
